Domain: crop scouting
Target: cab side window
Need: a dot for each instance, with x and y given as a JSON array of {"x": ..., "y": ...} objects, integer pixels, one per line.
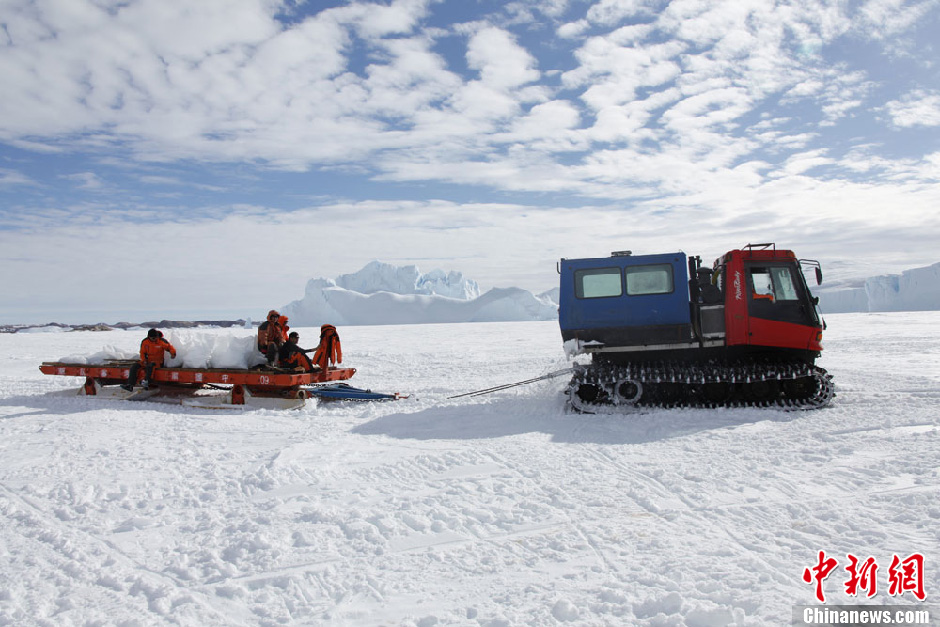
[
  {"x": 652, "y": 279},
  {"x": 784, "y": 288},
  {"x": 762, "y": 286},
  {"x": 772, "y": 284},
  {"x": 598, "y": 283},
  {"x": 610, "y": 282},
  {"x": 776, "y": 292}
]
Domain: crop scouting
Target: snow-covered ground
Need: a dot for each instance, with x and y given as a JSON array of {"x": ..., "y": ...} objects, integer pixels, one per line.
[{"x": 494, "y": 510}]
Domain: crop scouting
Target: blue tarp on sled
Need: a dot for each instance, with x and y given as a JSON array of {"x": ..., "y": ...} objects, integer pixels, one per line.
[{"x": 344, "y": 392}]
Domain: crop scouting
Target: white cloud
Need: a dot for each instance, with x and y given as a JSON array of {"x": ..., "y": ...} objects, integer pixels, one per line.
[
  {"x": 501, "y": 62},
  {"x": 9, "y": 178},
  {"x": 530, "y": 11},
  {"x": 707, "y": 109},
  {"x": 696, "y": 113},
  {"x": 235, "y": 84},
  {"x": 480, "y": 101},
  {"x": 398, "y": 18},
  {"x": 572, "y": 30},
  {"x": 86, "y": 180},
  {"x": 916, "y": 108},
  {"x": 190, "y": 31},
  {"x": 545, "y": 120},
  {"x": 883, "y": 18},
  {"x": 498, "y": 244},
  {"x": 612, "y": 12},
  {"x": 799, "y": 163},
  {"x": 613, "y": 73}
]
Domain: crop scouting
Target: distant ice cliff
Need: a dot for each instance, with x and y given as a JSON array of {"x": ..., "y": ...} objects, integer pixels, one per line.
[
  {"x": 381, "y": 293},
  {"x": 917, "y": 289}
]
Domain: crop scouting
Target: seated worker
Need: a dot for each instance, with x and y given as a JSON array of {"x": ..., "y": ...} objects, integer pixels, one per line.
[
  {"x": 270, "y": 336},
  {"x": 763, "y": 285},
  {"x": 153, "y": 350},
  {"x": 292, "y": 356},
  {"x": 758, "y": 295},
  {"x": 284, "y": 328},
  {"x": 329, "y": 350}
]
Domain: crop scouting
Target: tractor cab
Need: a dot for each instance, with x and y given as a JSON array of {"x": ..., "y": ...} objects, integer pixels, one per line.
[
  {"x": 767, "y": 300},
  {"x": 663, "y": 330}
]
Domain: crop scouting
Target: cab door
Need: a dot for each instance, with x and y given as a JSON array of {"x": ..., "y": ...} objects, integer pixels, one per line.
[{"x": 780, "y": 313}]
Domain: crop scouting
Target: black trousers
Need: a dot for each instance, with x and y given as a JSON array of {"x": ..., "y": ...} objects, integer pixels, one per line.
[
  {"x": 135, "y": 369},
  {"x": 270, "y": 351}
]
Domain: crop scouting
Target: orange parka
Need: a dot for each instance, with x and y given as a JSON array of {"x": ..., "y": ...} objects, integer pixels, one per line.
[
  {"x": 329, "y": 351},
  {"x": 153, "y": 349},
  {"x": 269, "y": 332}
]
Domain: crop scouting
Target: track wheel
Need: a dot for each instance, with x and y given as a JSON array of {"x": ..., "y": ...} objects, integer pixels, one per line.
[
  {"x": 590, "y": 393},
  {"x": 825, "y": 390},
  {"x": 799, "y": 389},
  {"x": 627, "y": 392}
]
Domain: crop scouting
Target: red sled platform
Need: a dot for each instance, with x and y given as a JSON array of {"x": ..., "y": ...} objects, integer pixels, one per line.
[{"x": 284, "y": 387}]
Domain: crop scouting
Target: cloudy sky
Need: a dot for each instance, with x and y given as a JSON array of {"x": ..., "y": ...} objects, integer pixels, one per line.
[{"x": 170, "y": 158}]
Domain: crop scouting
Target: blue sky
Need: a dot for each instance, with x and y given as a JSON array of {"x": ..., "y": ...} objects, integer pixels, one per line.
[{"x": 165, "y": 158}]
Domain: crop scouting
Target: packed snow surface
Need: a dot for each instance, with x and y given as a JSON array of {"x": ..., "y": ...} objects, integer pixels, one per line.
[
  {"x": 493, "y": 510},
  {"x": 194, "y": 349}
]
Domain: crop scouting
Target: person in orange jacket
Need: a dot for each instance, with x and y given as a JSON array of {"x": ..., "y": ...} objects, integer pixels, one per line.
[
  {"x": 290, "y": 355},
  {"x": 330, "y": 350},
  {"x": 282, "y": 321},
  {"x": 153, "y": 349},
  {"x": 270, "y": 336}
]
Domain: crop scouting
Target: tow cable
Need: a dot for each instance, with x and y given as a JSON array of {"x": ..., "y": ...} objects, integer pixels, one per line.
[{"x": 506, "y": 386}]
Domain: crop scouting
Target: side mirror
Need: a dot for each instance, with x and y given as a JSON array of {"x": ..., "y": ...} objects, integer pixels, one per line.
[{"x": 818, "y": 275}]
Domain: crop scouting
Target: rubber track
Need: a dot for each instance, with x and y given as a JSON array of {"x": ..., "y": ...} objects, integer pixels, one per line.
[{"x": 781, "y": 384}]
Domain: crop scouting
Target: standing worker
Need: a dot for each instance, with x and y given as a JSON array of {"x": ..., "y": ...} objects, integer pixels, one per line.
[
  {"x": 270, "y": 336},
  {"x": 153, "y": 350}
]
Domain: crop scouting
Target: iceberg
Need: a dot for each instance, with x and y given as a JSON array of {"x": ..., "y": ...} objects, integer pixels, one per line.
[
  {"x": 377, "y": 276},
  {"x": 381, "y": 293},
  {"x": 917, "y": 289}
]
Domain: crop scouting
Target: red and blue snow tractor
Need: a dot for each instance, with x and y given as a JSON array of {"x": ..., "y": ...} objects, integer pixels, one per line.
[{"x": 662, "y": 330}]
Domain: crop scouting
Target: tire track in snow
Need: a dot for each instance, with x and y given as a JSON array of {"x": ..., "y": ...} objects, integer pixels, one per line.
[
  {"x": 677, "y": 508},
  {"x": 566, "y": 519},
  {"x": 85, "y": 560},
  {"x": 394, "y": 507}
]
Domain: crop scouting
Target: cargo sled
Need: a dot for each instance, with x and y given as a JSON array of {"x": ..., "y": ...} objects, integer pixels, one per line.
[{"x": 271, "y": 388}]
